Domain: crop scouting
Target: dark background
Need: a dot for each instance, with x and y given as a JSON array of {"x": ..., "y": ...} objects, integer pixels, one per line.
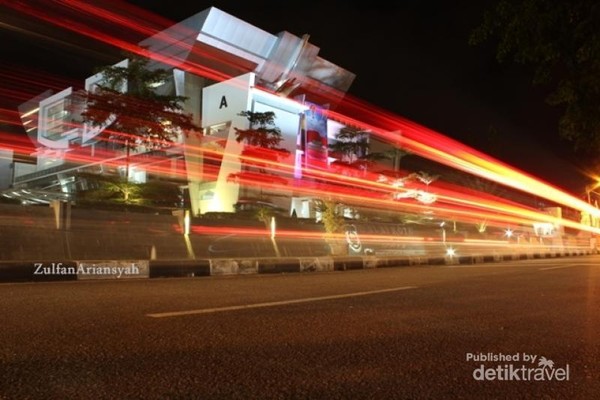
[{"x": 412, "y": 58}]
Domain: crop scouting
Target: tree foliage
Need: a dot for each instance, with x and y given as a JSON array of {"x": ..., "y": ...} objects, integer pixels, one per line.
[
  {"x": 333, "y": 221},
  {"x": 351, "y": 146},
  {"x": 352, "y": 149},
  {"x": 126, "y": 102},
  {"x": 561, "y": 40},
  {"x": 113, "y": 189},
  {"x": 261, "y": 145},
  {"x": 262, "y": 131}
]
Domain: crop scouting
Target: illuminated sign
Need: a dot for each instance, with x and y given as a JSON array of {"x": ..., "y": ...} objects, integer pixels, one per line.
[{"x": 315, "y": 137}]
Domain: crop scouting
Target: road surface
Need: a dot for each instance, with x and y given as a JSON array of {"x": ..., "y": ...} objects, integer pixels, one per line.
[{"x": 391, "y": 333}]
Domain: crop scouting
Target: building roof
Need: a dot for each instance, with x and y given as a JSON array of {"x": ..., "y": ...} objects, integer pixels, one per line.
[{"x": 219, "y": 46}]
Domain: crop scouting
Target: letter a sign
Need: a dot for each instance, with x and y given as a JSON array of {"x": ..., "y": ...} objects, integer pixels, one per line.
[{"x": 223, "y": 102}]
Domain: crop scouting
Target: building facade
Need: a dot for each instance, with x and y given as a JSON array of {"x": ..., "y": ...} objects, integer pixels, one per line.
[{"x": 223, "y": 66}]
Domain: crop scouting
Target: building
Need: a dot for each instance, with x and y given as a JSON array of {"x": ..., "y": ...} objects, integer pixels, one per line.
[{"x": 224, "y": 66}]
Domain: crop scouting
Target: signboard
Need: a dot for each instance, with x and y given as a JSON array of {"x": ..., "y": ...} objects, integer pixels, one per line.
[{"x": 315, "y": 137}]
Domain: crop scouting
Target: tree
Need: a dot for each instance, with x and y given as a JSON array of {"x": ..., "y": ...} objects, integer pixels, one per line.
[
  {"x": 561, "y": 40},
  {"x": 108, "y": 189},
  {"x": 261, "y": 145},
  {"x": 353, "y": 149},
  {"x": 333, "y": 222},
  {"x": 111, "y": 189},
  {"x": 127, "y": 191},
  {"x": 126, "y": 104},
  {"x": 262, "y": 131}
]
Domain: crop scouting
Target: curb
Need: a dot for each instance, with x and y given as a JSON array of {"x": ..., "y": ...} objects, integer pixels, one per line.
[
  {"x": 178, "y": 268},
  {"x": 71, "y": 270}
]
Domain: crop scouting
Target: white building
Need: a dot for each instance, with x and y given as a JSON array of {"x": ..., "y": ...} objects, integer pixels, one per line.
[{"x": 223, "y": 66}]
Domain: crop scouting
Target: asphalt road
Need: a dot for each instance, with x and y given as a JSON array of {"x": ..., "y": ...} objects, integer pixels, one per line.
[{"x": 393, "y": 333}]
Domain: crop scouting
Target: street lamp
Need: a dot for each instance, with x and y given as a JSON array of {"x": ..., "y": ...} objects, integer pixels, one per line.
[{"x": 589, "y": 189}]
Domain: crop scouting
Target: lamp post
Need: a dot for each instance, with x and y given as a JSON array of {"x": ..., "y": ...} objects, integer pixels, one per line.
[{"x": 589, "y": 189}]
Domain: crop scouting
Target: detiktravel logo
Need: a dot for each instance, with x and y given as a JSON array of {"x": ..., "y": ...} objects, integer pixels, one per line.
[{"x": 516, "y": 367}]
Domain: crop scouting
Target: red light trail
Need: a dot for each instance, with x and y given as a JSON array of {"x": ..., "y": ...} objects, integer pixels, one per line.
[{"x": 452, "y": 202}]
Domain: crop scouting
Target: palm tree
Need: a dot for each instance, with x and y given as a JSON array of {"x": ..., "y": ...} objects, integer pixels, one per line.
[{"x": 544, "y": 362}]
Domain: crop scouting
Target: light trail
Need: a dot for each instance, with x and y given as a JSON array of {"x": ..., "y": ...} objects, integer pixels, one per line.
[
  {"x": 470, "y": 162},
  {"x": 437, "y": 147},
  {"x": 451, "y": 203}
]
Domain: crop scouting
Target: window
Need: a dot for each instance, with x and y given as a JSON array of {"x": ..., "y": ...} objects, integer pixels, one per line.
[{"x": 57, "y": 119}]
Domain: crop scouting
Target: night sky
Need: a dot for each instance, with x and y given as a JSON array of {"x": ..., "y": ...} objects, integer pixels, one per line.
[{"x": 411, "y": 58}]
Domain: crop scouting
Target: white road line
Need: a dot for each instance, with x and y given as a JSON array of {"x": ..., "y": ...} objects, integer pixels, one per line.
[
  {"x": 559, "y": 267},
  {"x": 275, "y": 303}
]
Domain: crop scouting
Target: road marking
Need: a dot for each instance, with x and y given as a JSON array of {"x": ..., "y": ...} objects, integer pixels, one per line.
[
  {"x": 275, "y": 303},
  {"x": 559, "y": 267}
]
